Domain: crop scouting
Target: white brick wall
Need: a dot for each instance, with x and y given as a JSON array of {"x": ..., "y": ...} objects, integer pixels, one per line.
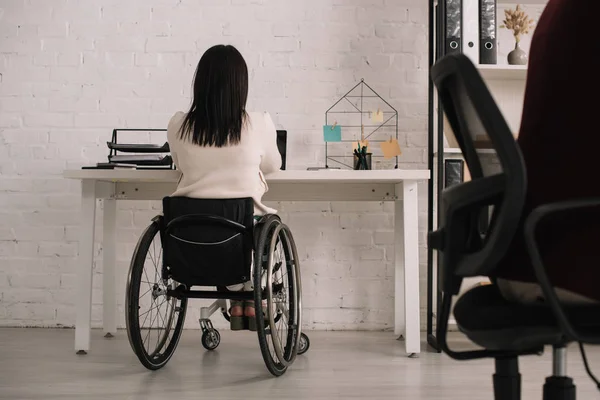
[{"x": 70, "y": 72}]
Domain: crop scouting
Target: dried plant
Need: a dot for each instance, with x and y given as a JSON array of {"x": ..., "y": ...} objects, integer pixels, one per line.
[{"x": 517, "y": 21}]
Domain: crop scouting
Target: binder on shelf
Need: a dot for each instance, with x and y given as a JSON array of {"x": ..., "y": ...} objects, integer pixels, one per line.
[
  {"x": 452, "y": 36},
  {"x": 453, "y": 172},
  {"x": 488, "y": 53},
  {"x": 470, "y": 34}
]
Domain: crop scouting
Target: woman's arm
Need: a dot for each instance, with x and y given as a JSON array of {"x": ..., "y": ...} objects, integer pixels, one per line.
[
  {"x": 271, "y": 160},
  {"x": 172, "y": 134}
]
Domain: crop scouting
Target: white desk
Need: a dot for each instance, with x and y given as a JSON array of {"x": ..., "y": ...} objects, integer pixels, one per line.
[{"x": 399, "y": 186}]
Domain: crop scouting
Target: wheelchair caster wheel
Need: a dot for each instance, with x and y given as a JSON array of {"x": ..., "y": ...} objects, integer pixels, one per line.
[
  {"x": 304, "y": 344},
  {"x": 211, "y": 339}
]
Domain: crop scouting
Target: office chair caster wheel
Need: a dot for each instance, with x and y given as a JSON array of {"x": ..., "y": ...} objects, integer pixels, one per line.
[
  {"x": 211, "y": 339},
  {"x": 304, "y": 344}
]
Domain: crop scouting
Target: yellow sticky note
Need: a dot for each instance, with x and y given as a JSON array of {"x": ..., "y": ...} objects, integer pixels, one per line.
[
  {"x": 390, "y": 148},
  {"x": 377, "y": 116},
  {"x": 363, "y": 143}
]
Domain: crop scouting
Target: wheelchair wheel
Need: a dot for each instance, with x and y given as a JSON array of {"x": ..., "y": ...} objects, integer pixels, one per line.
[
  {"x": 211, "y": 339},
  {"x": 277, "y": 295},
  {"x": 304, "y": 344},
  {"x": 154, "y": 320}
]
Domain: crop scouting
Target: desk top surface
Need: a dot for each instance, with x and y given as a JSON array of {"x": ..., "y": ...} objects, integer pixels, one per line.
[{"x": 289, "y": 176}]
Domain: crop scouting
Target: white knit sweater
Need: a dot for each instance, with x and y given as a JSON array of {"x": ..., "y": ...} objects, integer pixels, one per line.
[{"x": 229, "y": 171}]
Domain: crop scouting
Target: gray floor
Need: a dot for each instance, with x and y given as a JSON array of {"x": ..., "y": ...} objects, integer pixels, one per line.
[{"x": 41, "y": 364}]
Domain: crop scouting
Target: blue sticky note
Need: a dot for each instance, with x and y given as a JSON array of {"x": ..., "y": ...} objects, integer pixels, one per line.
[{"x": 332, "y": 133}]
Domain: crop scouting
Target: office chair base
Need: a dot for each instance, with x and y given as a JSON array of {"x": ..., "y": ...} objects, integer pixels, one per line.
[
  {"x": 559, "y": 388},
  {"x": 507, "y": 379}
]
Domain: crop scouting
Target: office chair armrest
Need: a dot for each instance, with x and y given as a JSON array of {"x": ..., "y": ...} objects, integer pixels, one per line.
[{"x": 531, "y": 224}]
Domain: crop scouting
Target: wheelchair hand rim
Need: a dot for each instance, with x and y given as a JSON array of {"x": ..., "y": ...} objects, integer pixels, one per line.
[
  {"x": 270, "y": 306},
  {"x": 293, "y": 253},
  {"x": 298, "y": 283}
]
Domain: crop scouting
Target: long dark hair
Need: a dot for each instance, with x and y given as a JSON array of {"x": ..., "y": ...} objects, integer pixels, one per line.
[{"x": 218, "y": 110}]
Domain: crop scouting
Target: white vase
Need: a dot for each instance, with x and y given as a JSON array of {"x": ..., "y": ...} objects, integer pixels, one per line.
[{"x": 517, "y": 56}]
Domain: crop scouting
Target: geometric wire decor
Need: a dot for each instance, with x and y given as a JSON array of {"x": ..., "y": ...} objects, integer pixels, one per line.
[{"x": 362, "y": 115}]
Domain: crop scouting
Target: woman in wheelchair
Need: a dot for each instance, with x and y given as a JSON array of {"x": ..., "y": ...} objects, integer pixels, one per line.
[
  {"x": 222, "y": 150},
  {"x": 216, "y": 232}
]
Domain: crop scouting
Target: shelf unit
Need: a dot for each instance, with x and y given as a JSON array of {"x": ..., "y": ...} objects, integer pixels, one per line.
[
  {"x": 507, "y": 85},
  {"x": 495, "y": 72}
]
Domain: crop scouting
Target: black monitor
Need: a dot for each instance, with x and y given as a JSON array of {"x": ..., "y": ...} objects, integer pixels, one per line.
[{"x": 281, "y": 145}]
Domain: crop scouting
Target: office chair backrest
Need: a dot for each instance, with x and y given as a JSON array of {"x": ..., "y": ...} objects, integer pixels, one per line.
[{"x": 471, "y": 111}]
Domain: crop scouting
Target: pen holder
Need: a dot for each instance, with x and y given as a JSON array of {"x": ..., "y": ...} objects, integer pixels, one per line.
[{"x": 359, "y": 165}]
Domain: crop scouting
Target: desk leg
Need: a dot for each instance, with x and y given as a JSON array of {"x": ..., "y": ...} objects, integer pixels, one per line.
[
  {"x": 399, "y": 318},
  {"x": 84, "y": 267},
  {"x": 407, "y": 267},
  {"x": 109, "y": 296}
]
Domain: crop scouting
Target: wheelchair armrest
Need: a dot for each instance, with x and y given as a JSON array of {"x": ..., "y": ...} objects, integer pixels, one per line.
[
  {"x": 531, "y": 224},
  {"x": 203, "y": 219}
]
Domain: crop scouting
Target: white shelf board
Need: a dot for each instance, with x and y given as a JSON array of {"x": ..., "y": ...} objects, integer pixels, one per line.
[
  {"x": 524, "y": 2},
  {"x": 452, "y": 150},
  {"x": 495, "y": 71}
]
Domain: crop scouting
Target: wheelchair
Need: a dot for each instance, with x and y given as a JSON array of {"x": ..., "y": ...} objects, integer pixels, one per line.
[{"x": 212, "y": 244}]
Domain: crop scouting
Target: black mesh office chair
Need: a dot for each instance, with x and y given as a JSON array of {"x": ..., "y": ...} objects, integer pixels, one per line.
[{"x": 504, "y": 329}]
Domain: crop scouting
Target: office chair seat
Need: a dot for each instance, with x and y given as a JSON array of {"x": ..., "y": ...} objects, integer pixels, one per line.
[{"x": 491, "y": 321}]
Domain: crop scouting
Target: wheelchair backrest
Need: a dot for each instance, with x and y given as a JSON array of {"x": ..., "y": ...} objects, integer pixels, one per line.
[{"x": 207, "y": 242}]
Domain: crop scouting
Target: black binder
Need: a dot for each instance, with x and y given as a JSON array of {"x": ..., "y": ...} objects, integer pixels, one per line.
[
  {"x": 488, "y": 53},
  {"x": 453, "y": 36},
  {"x": 454, "y": 171}
]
